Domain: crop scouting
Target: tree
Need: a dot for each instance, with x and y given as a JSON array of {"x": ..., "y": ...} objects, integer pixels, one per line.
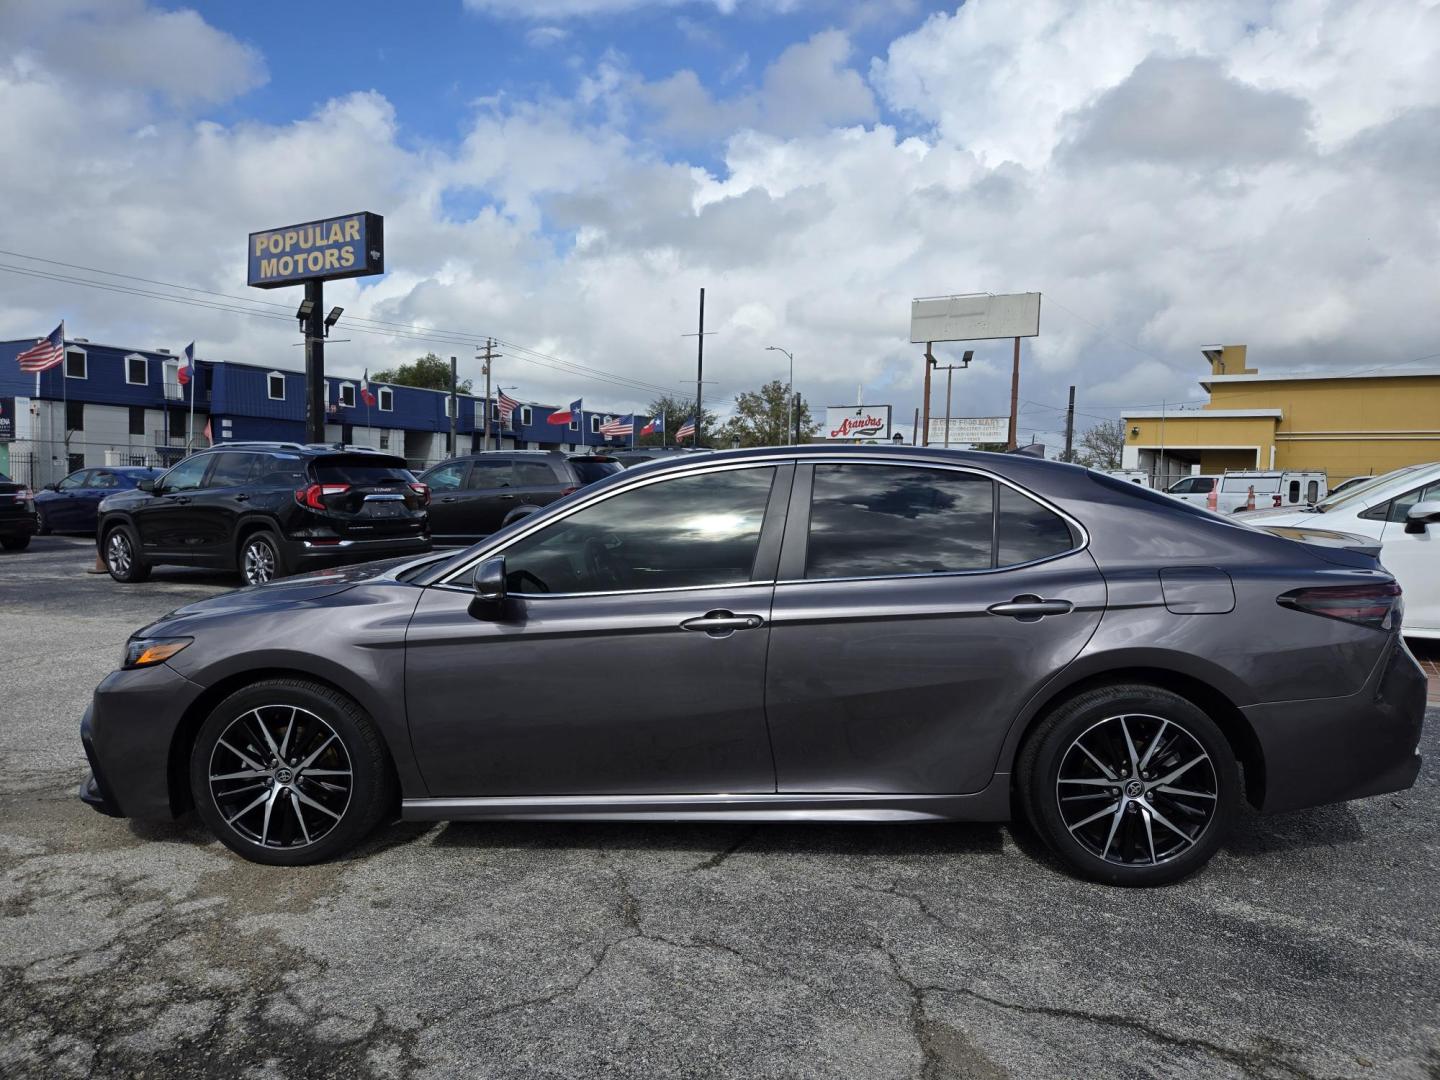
[
  {"x": 676, "y": 411},
  {"x": 428, "y": 371},
  {"x": 1101, "y": 446},
  {"x": 761, "y": 418}
]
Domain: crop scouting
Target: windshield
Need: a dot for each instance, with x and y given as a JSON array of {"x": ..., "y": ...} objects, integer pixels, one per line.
[
  {"x": 592, "y": 470},
  {"x": 1362, "y": 490}
]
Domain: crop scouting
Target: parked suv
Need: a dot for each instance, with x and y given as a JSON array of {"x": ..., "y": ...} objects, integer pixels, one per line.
[
  {"x": 267, "y": 510},
  {"x": 479, "y": 494},
  {"x": 17, "y": 515}
]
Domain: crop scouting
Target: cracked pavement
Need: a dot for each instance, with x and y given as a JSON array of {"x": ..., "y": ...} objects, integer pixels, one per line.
[{"x": 1309, "y": 948}]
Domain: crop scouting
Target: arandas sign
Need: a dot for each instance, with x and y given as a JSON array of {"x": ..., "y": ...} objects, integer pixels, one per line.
[
  {"x": 349, "y": 246},
  {"x": 870, "y": 422}
]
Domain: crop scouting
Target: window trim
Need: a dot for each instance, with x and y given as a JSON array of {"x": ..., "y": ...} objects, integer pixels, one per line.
[
  {"x": 527, "y": 416},
  {"x": 270, "y": 377},
  {"x": 340, "y": 395},
  {"x": 595, "y": 424},
  {"x": 145, "y": 367},
  {"x": 456, "y": 579},
  {"x": 84, "y": 355},
  {"x": 384, "y": 395}
]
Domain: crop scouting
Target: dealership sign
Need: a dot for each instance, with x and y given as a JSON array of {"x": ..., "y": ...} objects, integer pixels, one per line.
[
  {"x": 342, "y": 247},
  {"x": 969, "y": 429},
  {"x": 857, "y": 422}
]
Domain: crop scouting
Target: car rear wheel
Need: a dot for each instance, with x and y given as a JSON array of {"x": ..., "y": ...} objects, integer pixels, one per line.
[
  {"x": 1130, "y": 785},
  {"x": 42, "y": 524},
  {"x": 122, "y": 556},
  {"x": 260, "y": 559},
  {"x": 289, "y": 772},
  {"x": 15, "y": 543}
]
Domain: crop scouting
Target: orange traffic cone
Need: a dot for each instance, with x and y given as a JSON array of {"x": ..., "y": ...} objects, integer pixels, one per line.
[
  {"x": 1250, "y": 498},
  {"x": 1212, "y": 501}
]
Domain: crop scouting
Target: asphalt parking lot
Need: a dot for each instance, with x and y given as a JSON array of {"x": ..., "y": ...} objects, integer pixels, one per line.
[{"x": 1309, "y": 948}]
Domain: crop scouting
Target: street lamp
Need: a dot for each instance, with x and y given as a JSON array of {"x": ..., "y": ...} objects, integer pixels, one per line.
[
  {"x": 332, "y": 318},
  {"x": 789, "y": 394}
]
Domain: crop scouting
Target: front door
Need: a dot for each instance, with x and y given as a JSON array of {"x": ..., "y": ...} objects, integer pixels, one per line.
[
  {"x": 628, "y": 658},
  {"x": 916, "y": 615},
  {"x": 63, "y": 512},
  {"x": 166, "y": 524}
]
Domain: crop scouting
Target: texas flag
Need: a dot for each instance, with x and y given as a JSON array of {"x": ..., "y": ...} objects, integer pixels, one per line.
[
  {"x": 572, "y": 413},
  {"x": 655, "y": 427},
  {"x": 187, "y": 369},
  {"x": 365, "y": 395}
]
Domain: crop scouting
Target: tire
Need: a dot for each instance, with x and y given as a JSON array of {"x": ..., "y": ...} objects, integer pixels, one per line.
[
  {"x": 1142, "y": 830},
  {"x": 15, "y": 543},
  {"x": 121, "y": 552},
  {"x": 259, "y": 558},
  {"x": 289, "y": 813},
  {"x": 42, "y": 527}
]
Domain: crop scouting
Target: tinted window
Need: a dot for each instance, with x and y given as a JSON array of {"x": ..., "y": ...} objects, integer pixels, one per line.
[
  {"x": 341, "y": 471},
  {"x": 490, "y": 473},
  {"x": 279, "y": 470},
  {"x": 1400, "y": 505},
  {"x": 188, "y": 474},
  {"x": 446, "y": 477},
  {"x": 590, "y": 471},
  {"x": 74, "y": 480},
  {"x": 102, "y": 479},
  {"x": 879, "y": 520},
  {"x": 232, "y": 470},
  {"x": 1025, "y": 531},
  {"x": 693, "y": 530},
  {"x": 535, "y": 474}
]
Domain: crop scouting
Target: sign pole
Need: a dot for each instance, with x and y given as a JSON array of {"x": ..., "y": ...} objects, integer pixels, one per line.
[
  {"x": 699, "y": 372},
  {"x": 929, "y": 363},
  {"x": 949, "y": 375},
  {"x": 1015, "y": 398},
  {"x": 315, "y": 362}
]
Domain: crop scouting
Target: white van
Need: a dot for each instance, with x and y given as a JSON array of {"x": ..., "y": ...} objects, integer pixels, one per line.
[{"x": 1274, "y": 489}]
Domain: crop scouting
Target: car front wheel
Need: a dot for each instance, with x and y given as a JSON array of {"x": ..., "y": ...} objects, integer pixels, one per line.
[
  {"x": 289, "y": 772},
  {"x": 1130, "y": 785},
  {"x": 122, "y": 556}
]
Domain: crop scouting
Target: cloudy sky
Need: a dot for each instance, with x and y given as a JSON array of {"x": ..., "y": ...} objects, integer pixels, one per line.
[{"x": 566, "y": 174}]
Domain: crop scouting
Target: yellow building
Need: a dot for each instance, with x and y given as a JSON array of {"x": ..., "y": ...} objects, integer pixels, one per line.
[{"x": 1344, "y": 425}]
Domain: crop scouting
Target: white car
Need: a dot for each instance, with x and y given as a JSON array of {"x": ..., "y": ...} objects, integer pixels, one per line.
[{"x": 1401, "y": 510}]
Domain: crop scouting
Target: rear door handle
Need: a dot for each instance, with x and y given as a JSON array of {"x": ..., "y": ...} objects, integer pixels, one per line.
[
  {"x": 506, "y": 496},
  {"x": 722, "y": 623},
  {"x": 448, "y": 498},
  {"x": 242, "y": 497},
  {"x": 1031, "y": 608}
]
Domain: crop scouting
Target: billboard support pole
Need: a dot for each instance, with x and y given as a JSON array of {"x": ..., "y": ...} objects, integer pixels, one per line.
[
  {"x": 949, "y": 375},
  {"x": 1015, "y": 398},
  {"x": 929, "y": 363},
  {"x": 315, "y": 362},
  {"x": 1070, "y": 427}
]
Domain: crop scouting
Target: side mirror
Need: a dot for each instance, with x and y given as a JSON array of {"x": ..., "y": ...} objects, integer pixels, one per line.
[
  {"x": 146, "y": 485},
  {"x": 489, "y": 581},
  {"x": 1421, "y": 515}
]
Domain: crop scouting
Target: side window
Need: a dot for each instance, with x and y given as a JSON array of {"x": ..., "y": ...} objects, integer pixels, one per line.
[
  {"x": 188, "y": 474},
  {"x": 447, "y": 477},
  {"x": 1026, "y": 532},
  {"x": 491, "y": 474},
  {"x": 74, "y": 480},
  {"x": 681, "y": 533},
  {"x": 274, "y": 470},
  {"x": 1400, "y": 505},
  {"x": 1312, "y": 491},
  {"x": 884, "y": 520},
  {"x": 232, "y": 470},
  {"x": 1294, "y": 495},
  {"x": 533, "y": 474},
  {"x": 102, "y": 479}
]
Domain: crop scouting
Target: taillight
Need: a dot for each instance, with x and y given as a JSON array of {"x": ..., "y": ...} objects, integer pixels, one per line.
[
  {"x": 423, "y": 490},
  {"x": 313, "y": 495},
  {"x": 1377, "y": 606},
  {"x": 1277, "y": 502}
]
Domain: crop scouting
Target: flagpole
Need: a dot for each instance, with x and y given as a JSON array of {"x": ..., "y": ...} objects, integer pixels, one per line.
[{"x": 190, "y": 427}]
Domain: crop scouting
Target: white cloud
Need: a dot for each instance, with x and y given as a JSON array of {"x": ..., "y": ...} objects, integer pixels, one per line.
[
  {"x": 1167, "y": 175},
  {"x": 543, "y": 37}
]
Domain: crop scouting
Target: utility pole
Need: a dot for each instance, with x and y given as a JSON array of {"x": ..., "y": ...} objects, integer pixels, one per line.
[
  {"x": 454, "y": 409},
  {"x": 1015, "y": 398},
  {"x": 1070, "y": 427},
  {"x": 314, "y": 326},
  {"x": 699, "y": 337},
  {"x": 925, "y": 425},
  {"x": 489, "y": 355}
]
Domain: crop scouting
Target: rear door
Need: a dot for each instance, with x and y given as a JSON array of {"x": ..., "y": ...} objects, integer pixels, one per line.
[
  {"x": 216, "y": 508},
  {"x": 492, "y": 491},
  {"x": 102, "y": 482},
  {"x": 64, "y": 510},
  {"x": 918, "y": 609},
  {"x": 449, "y": 499}
]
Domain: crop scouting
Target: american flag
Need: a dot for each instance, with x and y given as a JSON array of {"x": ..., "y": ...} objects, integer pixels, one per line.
[
  {"x": 507, "y": 406},
  {"x": 687, "y": 430},
  {"x": 618, "y": 425},
  {"x": 45, "y": 353}
]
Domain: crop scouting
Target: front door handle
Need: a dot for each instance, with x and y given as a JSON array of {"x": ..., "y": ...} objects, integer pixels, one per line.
[
  {"x": 722, "y": 623},
  {"x": 180, "y": 499},
  {"x": 506, "y": 496},
  {"x": 448, "y": 498},
  {"x": 1031, "y": 608},
  {"x": 242, "y": 497}
]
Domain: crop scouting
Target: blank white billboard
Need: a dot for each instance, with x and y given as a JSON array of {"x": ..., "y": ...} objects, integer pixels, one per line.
[
  {"x": 970, "y": 429},
  {"x": 975, "y": 317}
]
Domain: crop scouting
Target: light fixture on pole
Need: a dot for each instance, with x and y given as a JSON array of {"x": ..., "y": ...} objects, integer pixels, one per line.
[
  {"x": 332, "y": 318},
  {"x": 304, "y": 311},
  {"x": 789, "y": 394}
]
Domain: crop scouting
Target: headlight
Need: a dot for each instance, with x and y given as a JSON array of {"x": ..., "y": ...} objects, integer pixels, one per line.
[{"x": 143, "y": 652}]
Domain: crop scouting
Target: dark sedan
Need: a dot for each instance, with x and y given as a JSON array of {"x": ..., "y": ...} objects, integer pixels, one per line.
[
  {"x": 17, "y": 515},
  {"x": 72, "y": 505},
  {"x": 811, "y": 633}
]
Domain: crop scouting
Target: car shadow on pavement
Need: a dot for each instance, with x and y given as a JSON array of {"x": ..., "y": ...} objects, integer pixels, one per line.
[{"x": 856, "y": 840}]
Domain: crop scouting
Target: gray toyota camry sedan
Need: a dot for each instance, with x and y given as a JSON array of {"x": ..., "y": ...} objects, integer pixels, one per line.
[{"x": 840, "y": 633}]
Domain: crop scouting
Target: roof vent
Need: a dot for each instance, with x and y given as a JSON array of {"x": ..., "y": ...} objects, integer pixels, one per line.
[
  {"x": 80, "y": 340},
  {"x": 163, "y": 352}
]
